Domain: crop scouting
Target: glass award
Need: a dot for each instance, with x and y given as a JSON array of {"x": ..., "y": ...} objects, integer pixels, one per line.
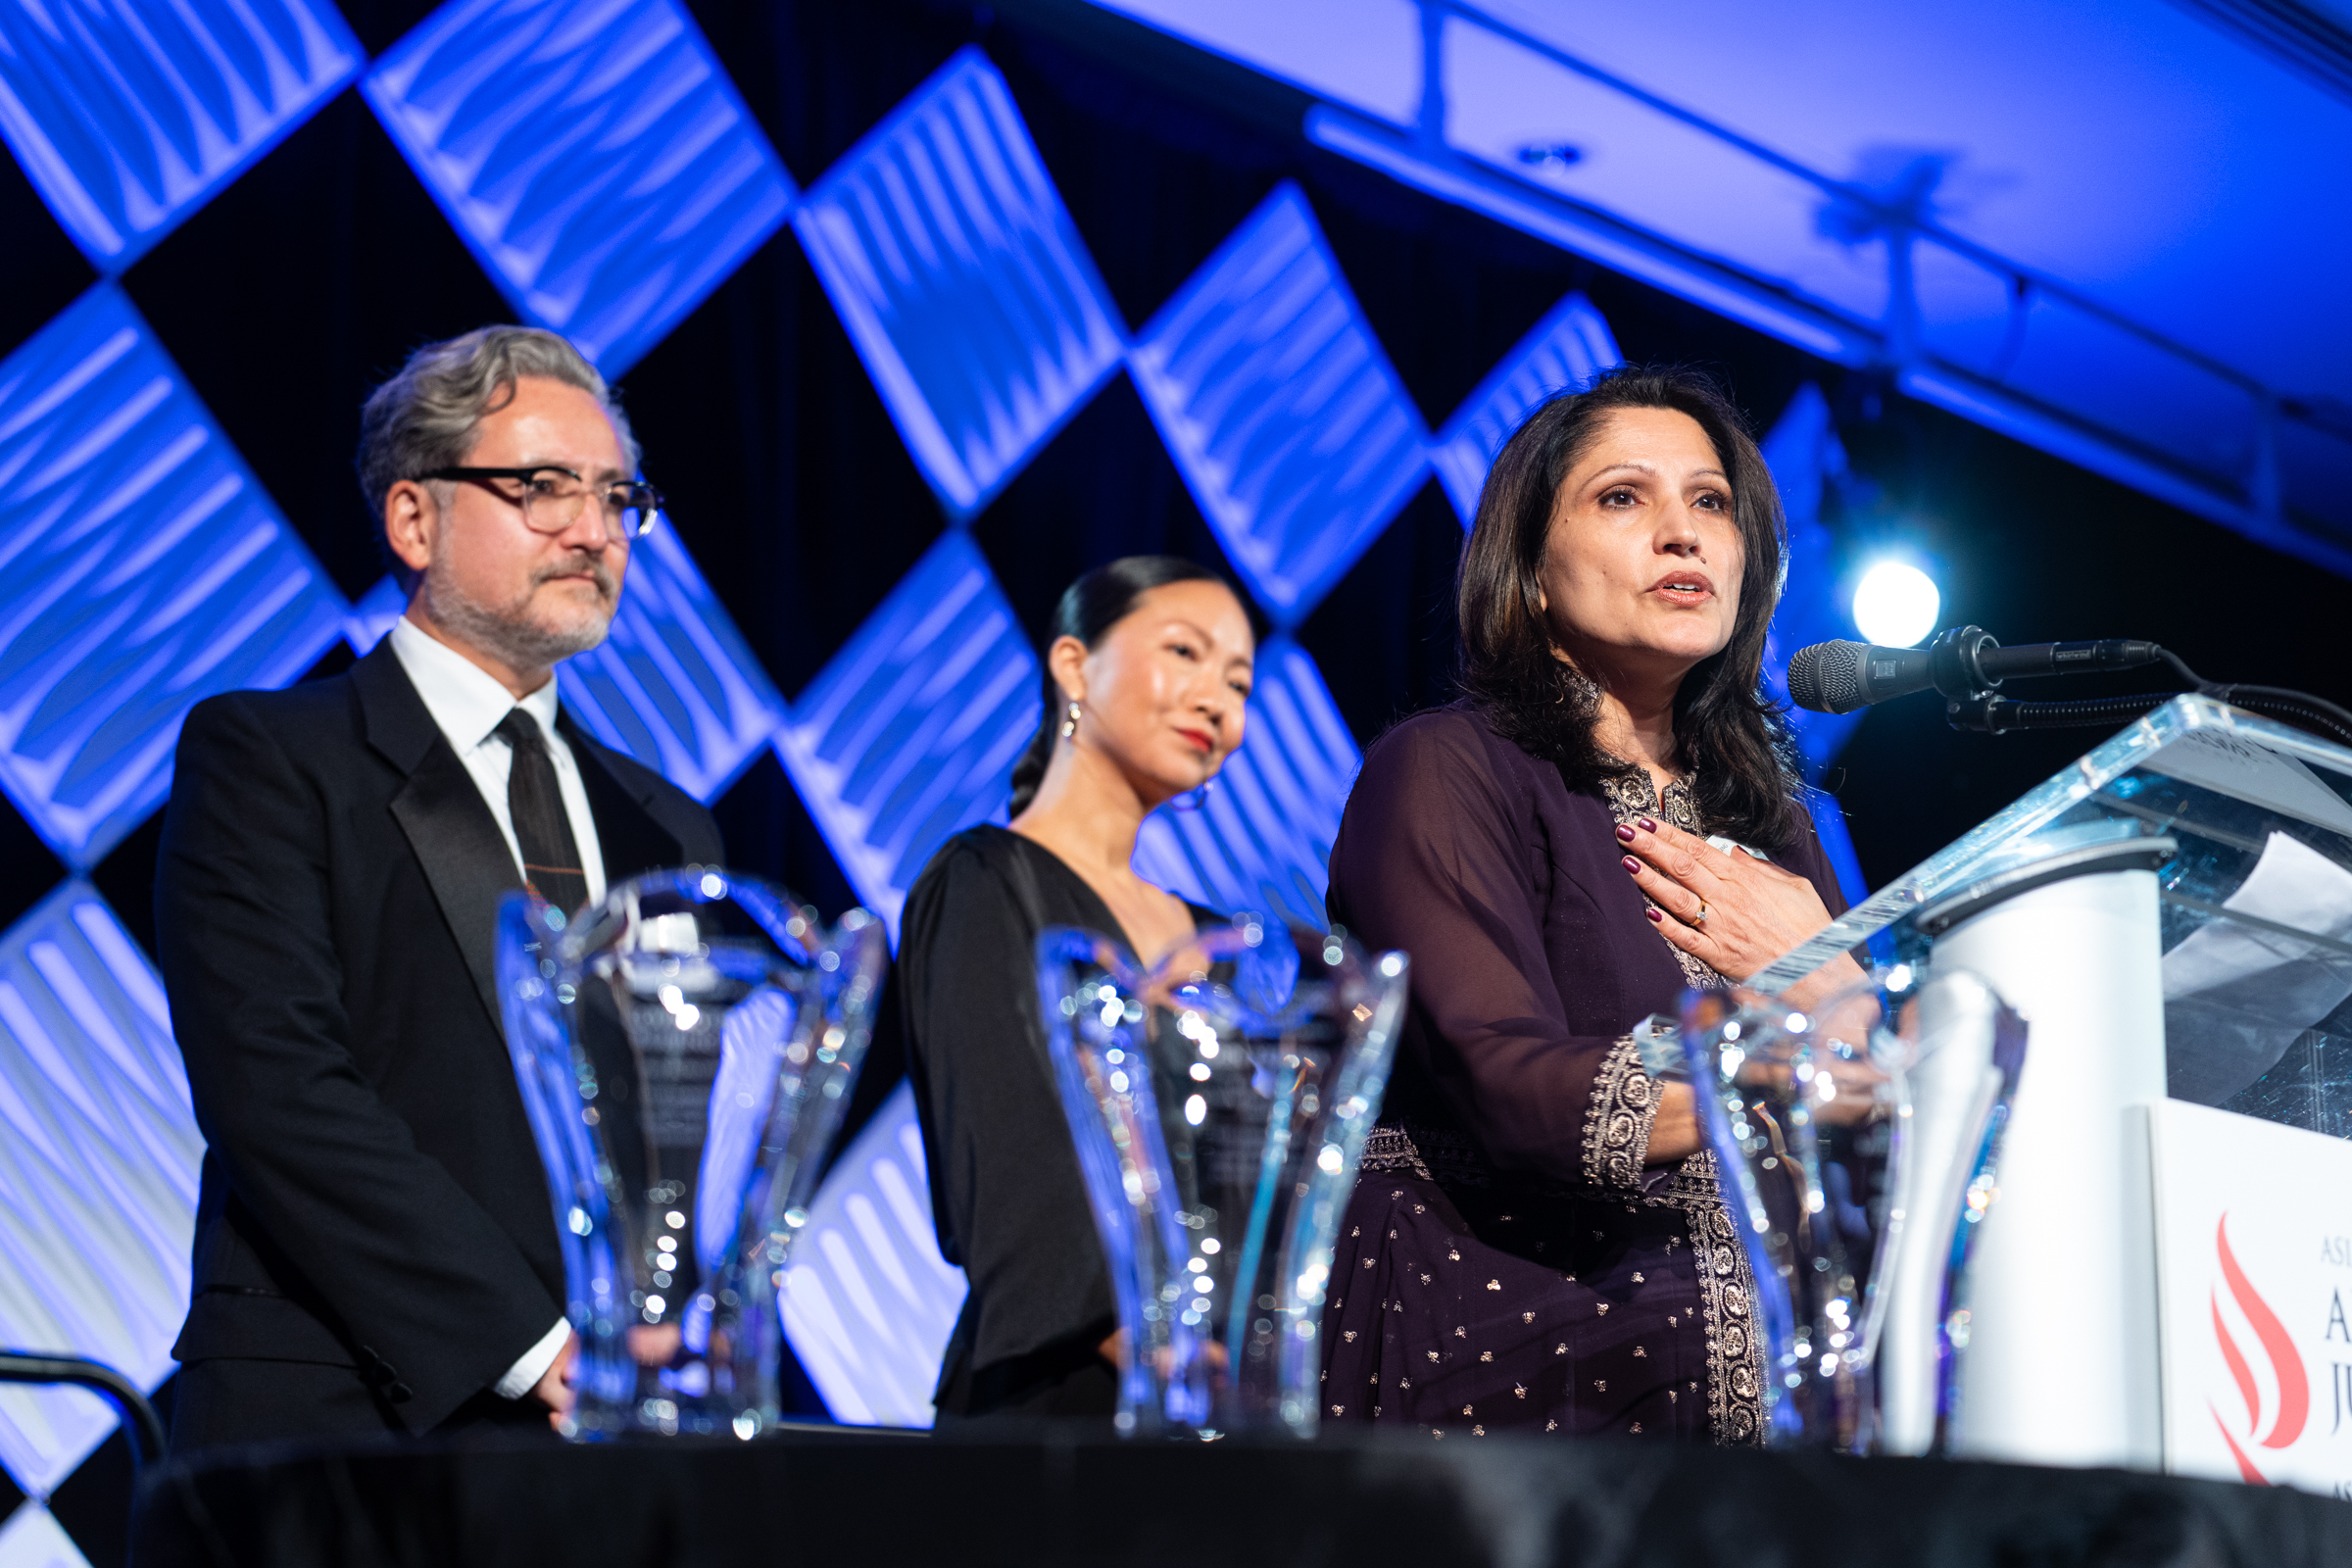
[
  {"x": 685, "y": 1051},
  {"x": 1858, "y": 1145},
  {"x": 1219, "y": 1104}
]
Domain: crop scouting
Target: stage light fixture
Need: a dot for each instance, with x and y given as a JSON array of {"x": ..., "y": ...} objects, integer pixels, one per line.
[{"x": 1896, "y": 604}]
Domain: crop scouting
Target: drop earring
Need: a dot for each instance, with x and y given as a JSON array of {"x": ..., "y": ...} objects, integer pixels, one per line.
[{"x": 1069, "y": 725}]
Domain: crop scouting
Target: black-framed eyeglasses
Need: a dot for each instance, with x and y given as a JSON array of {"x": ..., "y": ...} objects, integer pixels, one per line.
[{"x": 551, "y": 498}]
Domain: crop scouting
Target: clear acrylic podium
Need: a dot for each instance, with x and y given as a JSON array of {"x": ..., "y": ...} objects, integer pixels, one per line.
[{"x": 2172, "y": 916}]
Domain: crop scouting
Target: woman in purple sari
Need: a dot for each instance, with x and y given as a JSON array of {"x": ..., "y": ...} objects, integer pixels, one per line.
[{"x": 1610, "y": 815}]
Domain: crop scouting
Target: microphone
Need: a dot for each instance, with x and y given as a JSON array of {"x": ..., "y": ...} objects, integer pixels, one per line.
[{"x": 1838, "y": 677}]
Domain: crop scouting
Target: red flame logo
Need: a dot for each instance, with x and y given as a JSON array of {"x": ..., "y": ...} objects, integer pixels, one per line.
[{"x": 2286, "y": 1365}]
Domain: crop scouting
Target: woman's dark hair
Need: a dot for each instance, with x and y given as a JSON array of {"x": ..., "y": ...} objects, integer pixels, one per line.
[
  {"x": 1726, "y": 729},
  {"x": 1089, "y": 608}
]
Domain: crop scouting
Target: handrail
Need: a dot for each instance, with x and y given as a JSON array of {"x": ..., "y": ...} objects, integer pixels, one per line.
[
  {"x": 142, "y": 1427},
  {"x": 2238, "y": 502},
  {"x": 1890, "y": 216}
]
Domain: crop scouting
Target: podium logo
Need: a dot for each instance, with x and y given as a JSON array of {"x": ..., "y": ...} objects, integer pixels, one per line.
[{"x": 2276, "y": 1346}]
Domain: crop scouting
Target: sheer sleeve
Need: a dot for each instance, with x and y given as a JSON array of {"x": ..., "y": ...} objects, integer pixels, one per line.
[
  {"x": 1809, "y": 859},
  {"x": 1433, "y": 857}
]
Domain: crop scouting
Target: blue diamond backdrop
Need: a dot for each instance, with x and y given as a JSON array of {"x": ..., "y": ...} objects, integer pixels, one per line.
[{"x": 921, "y": 312}]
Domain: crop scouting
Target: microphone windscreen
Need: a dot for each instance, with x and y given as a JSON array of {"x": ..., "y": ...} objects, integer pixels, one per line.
[{"x": 1827, "y": 677}]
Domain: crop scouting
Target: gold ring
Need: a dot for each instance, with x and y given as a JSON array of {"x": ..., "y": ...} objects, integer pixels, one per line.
[{"x": 1700, "y": 918}]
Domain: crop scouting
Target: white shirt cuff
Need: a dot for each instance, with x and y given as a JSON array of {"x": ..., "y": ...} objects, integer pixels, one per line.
[{"x": 525, "y": 1375}]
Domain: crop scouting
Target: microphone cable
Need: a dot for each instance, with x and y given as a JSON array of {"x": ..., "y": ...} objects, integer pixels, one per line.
[{"x": 1995, "y": 715}]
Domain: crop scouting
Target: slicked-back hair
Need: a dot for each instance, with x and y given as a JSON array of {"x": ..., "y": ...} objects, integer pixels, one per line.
[
  {"x": 1726, "y": 729},
  {"x": 426, "y": 416},
  {"x": 1087, "y": 611}
]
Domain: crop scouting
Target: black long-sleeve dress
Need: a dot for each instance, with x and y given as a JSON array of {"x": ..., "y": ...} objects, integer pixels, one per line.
[
  {"x": 1006, "y": 1198},
  {"x": 1507, "y": 1258}
]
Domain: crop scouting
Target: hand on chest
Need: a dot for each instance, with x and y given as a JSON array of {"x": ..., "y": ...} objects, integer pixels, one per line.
[{"x": 1607, "y": 958}]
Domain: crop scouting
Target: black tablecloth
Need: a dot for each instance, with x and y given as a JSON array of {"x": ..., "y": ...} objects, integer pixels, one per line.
[{"x": 1050, "y": 1498}]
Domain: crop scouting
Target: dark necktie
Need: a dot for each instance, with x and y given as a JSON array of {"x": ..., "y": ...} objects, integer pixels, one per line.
[{"x": 551, "y": 859}]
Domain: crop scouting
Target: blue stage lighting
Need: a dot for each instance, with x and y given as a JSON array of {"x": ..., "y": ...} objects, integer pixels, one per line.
[
  {"x": 32, "y": 1537},
  {"x": 1280, "y": 406},
  {"x": 1896, "y": 604},
  {"x": 1261, "y": 839},
  {"x": 674, "y": 686},
  {"x": 963, "y": 282},
  {"x": 1807, "y": 460},
  {"x": 129, "y": 117},
  {"x": 909, "y": 733},
  {"x": 142, "y": 568},
  {"x": 98, "y": 1172},
  {"x": 869, "y": 1302},
  {"x": 1562, "y": 351},
  {"x": 599, "y": 162},
  {"x": 370, "y": 620}
]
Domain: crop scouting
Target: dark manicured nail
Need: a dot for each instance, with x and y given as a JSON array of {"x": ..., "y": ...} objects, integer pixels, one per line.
[
  {"x": 1633, "y": 865},
  {"x": 1647, "y": 826},
  {"x": 1655, "y": 916},
  {"x": 1624, "y": 833}
]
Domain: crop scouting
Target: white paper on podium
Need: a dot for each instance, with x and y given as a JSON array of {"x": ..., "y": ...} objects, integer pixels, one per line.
[{"x": 2236, "y": 996}]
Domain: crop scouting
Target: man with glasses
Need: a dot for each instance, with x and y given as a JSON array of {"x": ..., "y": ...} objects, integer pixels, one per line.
[{"x": 375, "y": 1251}]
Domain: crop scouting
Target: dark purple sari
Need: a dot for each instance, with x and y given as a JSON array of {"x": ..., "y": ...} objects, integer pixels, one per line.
[{"x": 1509, "y": 1260}]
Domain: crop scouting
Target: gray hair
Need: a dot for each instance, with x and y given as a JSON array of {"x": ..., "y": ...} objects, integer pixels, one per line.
[{"x": 425, "y": 417}]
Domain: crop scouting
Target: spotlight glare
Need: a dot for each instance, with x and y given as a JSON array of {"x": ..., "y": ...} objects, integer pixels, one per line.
[{"x": 1896, "y": 605}]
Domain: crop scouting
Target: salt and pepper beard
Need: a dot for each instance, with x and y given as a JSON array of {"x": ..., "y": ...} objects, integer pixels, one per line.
[{"x": 509, "y": 630}]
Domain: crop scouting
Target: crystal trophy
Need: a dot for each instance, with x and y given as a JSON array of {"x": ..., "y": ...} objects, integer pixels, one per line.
[
  {"x": 1219, "y": 1105},
  {"x": 685, "y": 1049},
  {"x": 1858, "y": 1145}
]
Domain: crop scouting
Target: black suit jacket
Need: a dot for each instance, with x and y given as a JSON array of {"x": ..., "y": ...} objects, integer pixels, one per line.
[{"x": 325, "y": 900}]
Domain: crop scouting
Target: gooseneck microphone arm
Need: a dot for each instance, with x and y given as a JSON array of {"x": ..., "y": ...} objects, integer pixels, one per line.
[
  {"x": 1966, "y": 666},
  {"x": 1996, "y": 715}
]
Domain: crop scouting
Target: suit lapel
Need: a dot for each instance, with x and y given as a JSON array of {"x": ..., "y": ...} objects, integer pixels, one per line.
[
  {"x": 454, "y": 838},
  {"x": 632, "y": 838},
  {"x": 440, "y": 809}
]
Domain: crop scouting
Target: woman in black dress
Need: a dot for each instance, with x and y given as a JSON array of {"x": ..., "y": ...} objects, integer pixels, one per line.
[
  {"x": 1146, "y": 678},
  {"x": 1536, "y": 1240}
]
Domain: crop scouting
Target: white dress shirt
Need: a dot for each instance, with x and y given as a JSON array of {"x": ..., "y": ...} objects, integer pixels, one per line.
[{"x": 468, "y": 703}]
